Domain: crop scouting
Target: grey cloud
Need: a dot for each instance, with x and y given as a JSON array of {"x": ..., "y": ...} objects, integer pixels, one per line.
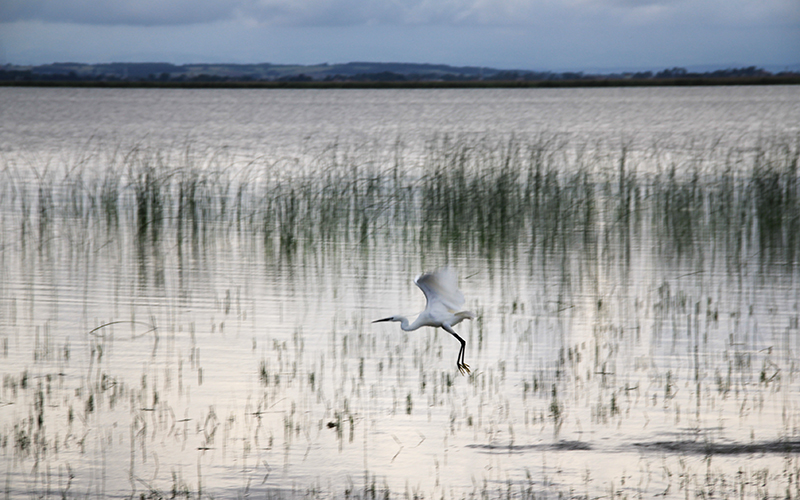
[
  {"x": 634, "y": 4},
  {"x": 118, "y": 12},
  {"x": 384, "y": 12},
  {"x": 404, "y": 12},
  {"x": 354, "y": 12},
  {"x": 273, "y": 12}
]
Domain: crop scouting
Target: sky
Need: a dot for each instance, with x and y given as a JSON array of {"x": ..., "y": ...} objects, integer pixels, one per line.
[{"x": 541, "y": 35}]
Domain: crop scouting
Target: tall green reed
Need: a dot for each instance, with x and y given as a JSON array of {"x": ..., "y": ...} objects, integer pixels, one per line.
[{"x": 540, "y": 195}]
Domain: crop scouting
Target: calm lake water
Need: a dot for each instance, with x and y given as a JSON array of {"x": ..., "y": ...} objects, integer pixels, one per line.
[{"x": 189, "y": 279}]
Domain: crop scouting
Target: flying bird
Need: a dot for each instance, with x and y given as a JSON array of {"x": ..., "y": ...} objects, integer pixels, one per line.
[{"x": 443, "y": 308}]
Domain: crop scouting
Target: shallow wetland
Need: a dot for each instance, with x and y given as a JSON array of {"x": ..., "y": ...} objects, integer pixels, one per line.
[{"x": 186, "y": 303}]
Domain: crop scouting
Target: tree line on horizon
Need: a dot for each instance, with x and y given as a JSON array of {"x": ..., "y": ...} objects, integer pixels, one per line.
[{"x": 350, "y": 72}]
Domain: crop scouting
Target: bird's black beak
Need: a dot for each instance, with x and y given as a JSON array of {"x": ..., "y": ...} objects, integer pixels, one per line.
[{"x": 384, "y": 319}]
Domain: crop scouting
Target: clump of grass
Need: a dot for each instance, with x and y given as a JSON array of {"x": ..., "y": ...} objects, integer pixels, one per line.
[{"x": 774, "y": 191}]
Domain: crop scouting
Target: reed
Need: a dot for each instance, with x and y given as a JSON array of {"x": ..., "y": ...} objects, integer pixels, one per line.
[{"x": 540, "y": 195}]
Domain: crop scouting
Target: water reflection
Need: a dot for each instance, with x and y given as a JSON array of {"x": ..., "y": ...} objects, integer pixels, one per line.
[{"x": 173, "y": 328}]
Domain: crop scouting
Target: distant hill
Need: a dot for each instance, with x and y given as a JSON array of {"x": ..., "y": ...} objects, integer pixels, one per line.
[
  {"x": 353, "y": 72},
  {"x": 263, "y": 71}
]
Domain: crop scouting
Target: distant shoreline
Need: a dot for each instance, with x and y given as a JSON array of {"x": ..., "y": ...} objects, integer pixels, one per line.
[{"x": 470, "y": 84}]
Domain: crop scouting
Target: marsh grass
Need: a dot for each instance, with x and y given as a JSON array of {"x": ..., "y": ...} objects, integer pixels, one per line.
[{"x": 462, "y": 194}]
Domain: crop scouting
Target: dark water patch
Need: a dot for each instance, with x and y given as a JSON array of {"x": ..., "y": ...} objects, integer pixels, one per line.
[
  {"x": 705, "y": 448},
  {"x": 497, "y": 448}
]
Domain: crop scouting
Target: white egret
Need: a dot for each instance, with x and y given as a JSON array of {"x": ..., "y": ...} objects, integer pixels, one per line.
[{"x": 443, "y": 308}]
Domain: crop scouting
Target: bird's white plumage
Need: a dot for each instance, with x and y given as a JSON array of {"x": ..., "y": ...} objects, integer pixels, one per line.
[
  {"x": 443, "y": 307},
  {"x": 441, "y": 287}
]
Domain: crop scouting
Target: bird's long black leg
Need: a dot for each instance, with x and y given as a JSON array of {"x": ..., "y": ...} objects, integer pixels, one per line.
[{"x": 462, "y": 366}]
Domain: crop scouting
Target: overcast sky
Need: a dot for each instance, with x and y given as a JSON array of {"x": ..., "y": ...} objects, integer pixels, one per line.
[{"x": 523, "y": 34}]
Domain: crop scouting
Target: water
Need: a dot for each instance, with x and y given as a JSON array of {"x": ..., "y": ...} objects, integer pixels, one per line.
[
  {"x": 189, "y": 280},
  {"x": 256, "y": 122}
]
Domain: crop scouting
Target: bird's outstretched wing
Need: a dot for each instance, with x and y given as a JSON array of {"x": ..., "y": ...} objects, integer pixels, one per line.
[{"x": 441, "y": 289}]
